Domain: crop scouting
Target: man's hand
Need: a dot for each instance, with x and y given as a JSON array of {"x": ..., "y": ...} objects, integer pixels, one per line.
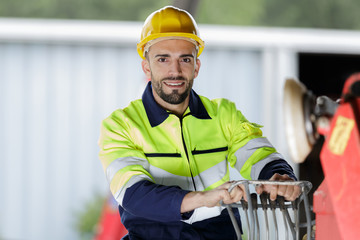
[
  {"x": 289, "y": 192},
  {"x": 212, "y": 197}
]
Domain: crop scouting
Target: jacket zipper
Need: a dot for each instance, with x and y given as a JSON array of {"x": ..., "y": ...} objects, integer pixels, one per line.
[{"x": 187, "y": 155}]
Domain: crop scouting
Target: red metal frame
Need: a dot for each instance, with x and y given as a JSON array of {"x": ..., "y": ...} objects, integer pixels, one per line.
[{"x": 337, "y": 200}]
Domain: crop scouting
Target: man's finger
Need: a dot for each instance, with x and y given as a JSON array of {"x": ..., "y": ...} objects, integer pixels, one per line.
[
  {"x": 259, "y": 189},
  {"x": 243, "y": 195},
  {"x": 237, "y": 193},
  {"x": 289, "y": 192},
  {"x": 227, "y": 198},
  {"x": 296, "y": 193},
  {"x": 281, "y": 190},
  {"x": 273, "y": 192}
]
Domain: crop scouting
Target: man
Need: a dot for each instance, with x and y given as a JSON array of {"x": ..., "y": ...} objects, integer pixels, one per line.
[{"x": 166, "y": 155}]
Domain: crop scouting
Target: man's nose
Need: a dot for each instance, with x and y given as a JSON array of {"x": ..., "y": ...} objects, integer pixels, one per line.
[{"x": 175, "y": 68}]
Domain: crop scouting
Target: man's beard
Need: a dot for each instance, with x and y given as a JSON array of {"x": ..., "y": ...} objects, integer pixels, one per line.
[{"x": 174, "y": 97}]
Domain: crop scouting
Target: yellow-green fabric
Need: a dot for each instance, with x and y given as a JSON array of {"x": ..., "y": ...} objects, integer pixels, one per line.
[{"x": 192, "y": 152}]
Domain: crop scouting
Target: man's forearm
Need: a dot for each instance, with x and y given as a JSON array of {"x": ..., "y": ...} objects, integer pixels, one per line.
[{"x": 191, "y": 201}]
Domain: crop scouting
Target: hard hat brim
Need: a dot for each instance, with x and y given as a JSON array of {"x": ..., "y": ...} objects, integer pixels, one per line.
[{"x": 141, "y": 45}]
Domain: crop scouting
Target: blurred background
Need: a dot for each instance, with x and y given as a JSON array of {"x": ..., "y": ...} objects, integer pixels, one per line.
[
  {"x": 330, "y": 14},
  {"x": 67, "y": 64}
]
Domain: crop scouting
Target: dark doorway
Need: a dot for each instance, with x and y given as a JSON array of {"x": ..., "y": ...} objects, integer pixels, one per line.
[{"x": 325, "y": 74}]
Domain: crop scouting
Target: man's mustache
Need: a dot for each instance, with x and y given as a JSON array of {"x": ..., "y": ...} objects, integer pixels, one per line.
[{"x": 175, "y": 78}]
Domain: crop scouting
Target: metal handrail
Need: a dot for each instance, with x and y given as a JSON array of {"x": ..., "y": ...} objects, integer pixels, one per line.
[{"x": 249, "y": 209}]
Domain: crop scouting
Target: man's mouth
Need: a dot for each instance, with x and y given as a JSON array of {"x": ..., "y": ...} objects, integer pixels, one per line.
[{"x": 174, "y": 84}]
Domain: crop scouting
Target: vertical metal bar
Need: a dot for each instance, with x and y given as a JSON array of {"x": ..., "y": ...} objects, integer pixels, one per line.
[
  {"x": 234, "y": 222},
  {"x": 252, "y": 225},
  {"x": 267, "y": 225},
  {"x": 307, "y": 213},
  {"x": 244, "y": 205},
  {"x": 273, "y": 207},
  {"x": 291, "y": 224},
  {"x": 263, "y": 200},
  {"x": 281, "y": 201},
  {"x": 255, "y": 206},
  {"x": 296, "y": 216},
  {"x": 285, "y": 225},
  {"x": 295, "y": 206}
]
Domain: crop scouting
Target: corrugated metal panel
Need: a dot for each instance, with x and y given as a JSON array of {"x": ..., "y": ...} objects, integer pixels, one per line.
[
  {"x": 53, "y": 98},
  {"x": 235, "y": 74}
]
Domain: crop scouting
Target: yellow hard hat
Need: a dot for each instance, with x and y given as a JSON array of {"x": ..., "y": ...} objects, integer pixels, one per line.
[{"x": 169, "y": 22}]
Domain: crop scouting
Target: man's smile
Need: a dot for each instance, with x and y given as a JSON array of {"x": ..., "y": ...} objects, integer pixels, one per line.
[{"x": 174, "y": 84}]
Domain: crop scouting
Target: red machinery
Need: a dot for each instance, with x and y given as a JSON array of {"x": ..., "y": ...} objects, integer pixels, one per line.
[
  {"x": 336, "y": 201},
  {"x": 110, "y": 226}
]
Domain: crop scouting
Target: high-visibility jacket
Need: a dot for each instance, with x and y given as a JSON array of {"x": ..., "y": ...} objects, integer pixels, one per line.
[{"x": 146, "y": 151}]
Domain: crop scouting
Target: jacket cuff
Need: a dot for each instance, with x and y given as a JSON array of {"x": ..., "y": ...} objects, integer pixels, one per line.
[{"x": 279, "y": 166}]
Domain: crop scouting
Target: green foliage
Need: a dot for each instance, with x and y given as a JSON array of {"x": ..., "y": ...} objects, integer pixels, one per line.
[
  {"x": 88, "y": 217},
  {"x": 283, "y": 13},
  {"x": 238, "y": 12},
  {"x": 335, "y": 14},
  {"x": 80, "y": 9}
]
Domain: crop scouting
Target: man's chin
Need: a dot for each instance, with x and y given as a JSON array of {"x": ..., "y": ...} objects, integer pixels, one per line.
[{"x": 174, "y": 98}]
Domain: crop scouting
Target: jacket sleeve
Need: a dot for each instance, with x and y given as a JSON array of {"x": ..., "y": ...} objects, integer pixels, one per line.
[
  {"x": 127, "y": 171},
  {"x": 278, "y": 166},
  {"x": 250, "y": 152},
  {"x": 154, "y": 201}
]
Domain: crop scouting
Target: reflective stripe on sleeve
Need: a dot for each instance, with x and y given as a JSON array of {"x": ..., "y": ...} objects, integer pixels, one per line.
[
  {"x": 119, "y": 195},
  {"x": 122, "y": 177},
  {"x": 124, "y": 172},
  {"x": 257, "y": 167},
  {"x": 245, "y": 152},
  {"x": 213, "y": 175},
  {"x": 123, "y": 162}
]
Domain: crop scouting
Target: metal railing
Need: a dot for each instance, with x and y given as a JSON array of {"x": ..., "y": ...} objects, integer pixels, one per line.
[{"x": 251, "y": 207}]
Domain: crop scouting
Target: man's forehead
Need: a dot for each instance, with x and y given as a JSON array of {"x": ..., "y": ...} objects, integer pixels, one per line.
[{"x": 173, "y": 47}]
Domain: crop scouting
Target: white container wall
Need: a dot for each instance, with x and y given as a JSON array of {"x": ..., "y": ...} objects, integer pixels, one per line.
[
  {"x": 59, "y": 79},
  {"x": 53, "y": 98}
]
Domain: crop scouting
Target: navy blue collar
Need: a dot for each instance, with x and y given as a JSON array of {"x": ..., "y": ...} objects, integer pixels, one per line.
[{"x": 156, "y": 114}]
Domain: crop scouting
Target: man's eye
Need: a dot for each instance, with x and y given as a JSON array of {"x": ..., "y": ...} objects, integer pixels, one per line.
[
  {"x": 162, "y": 59},
  {"x": 187, "y": 60}
]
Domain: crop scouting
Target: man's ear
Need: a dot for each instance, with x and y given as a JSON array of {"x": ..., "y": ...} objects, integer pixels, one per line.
[
  {"x": 146, "y": 68},
  {"x": 197, "y": 67}
]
